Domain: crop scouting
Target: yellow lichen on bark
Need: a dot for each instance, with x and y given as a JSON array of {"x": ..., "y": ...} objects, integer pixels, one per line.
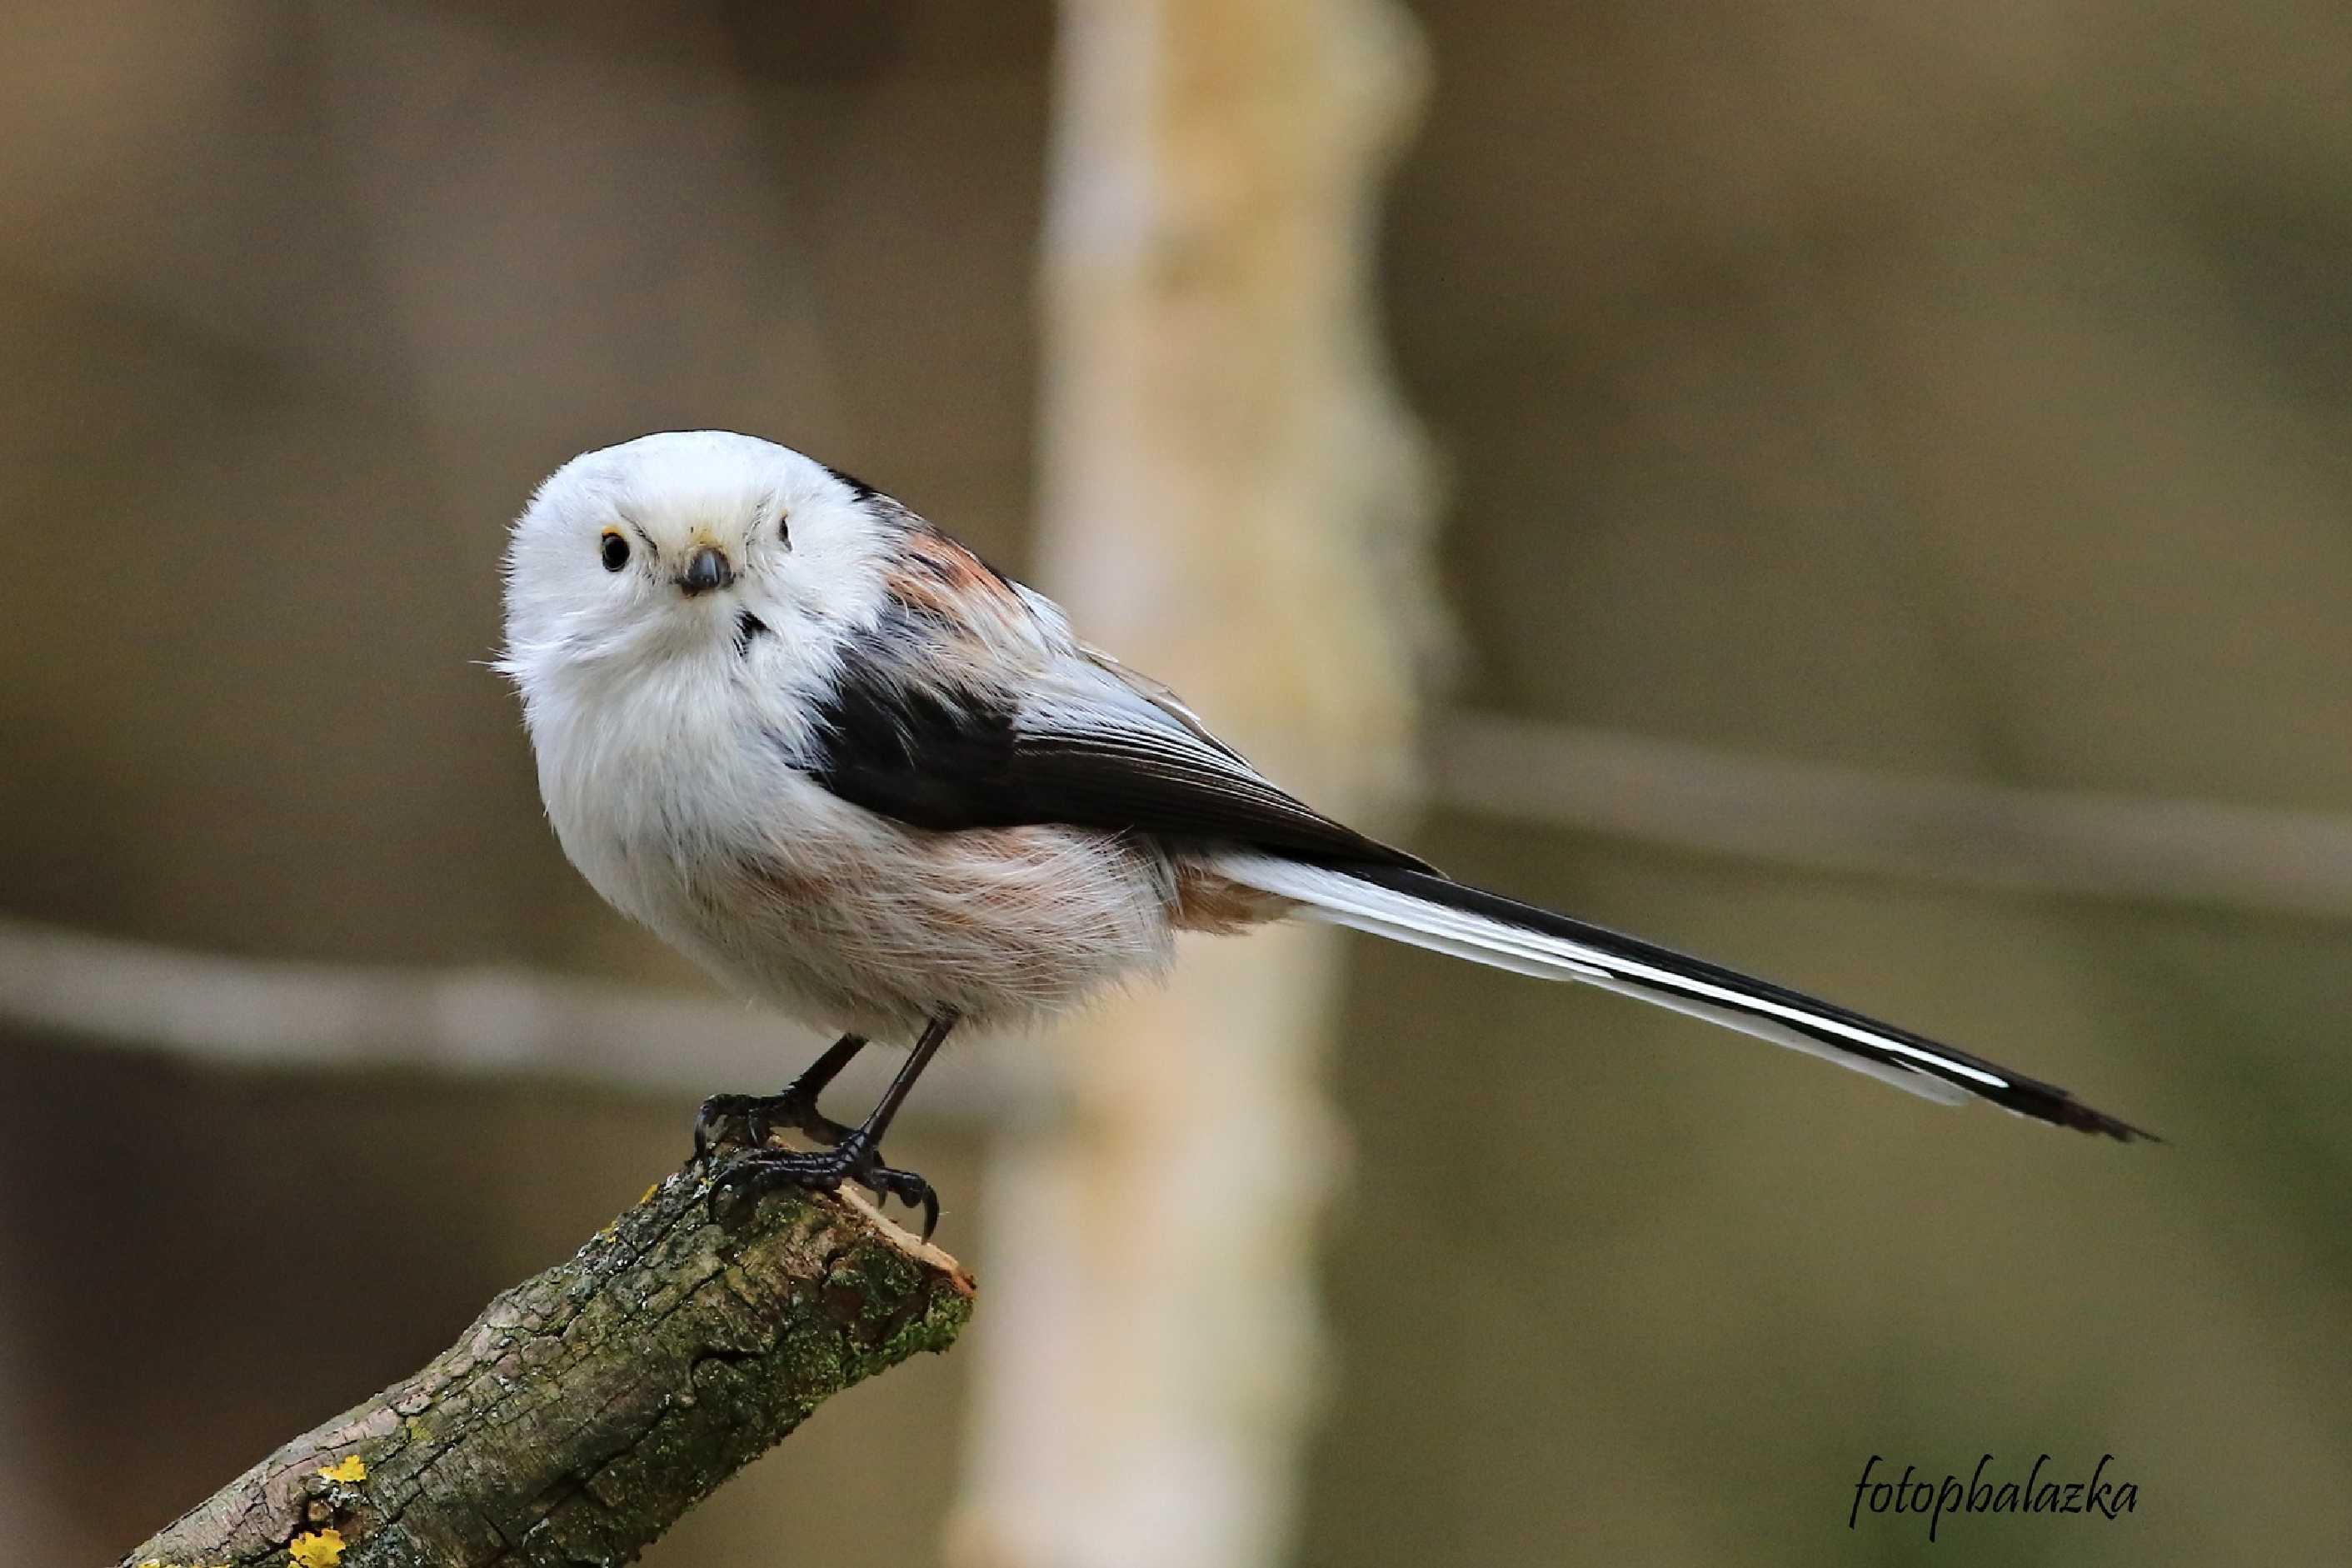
[{"x": 318, "y": 1549}]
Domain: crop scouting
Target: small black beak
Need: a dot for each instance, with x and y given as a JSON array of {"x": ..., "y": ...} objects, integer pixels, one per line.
[{"x": 706, "y": 569}]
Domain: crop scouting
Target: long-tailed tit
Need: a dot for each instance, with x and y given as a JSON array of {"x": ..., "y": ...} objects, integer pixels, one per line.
[{"x": 832, "y": 755}]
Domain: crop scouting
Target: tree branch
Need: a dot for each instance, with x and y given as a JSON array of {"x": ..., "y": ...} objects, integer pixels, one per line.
[{"x": 588, "y": 1408}]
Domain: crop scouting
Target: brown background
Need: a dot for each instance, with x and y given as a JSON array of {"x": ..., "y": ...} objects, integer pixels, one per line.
[{"x": 1954, "y": 391}]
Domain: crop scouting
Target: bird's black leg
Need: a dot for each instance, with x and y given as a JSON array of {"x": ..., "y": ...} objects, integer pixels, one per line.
[
  {"x": 857, "y": 1155},
  {"x": 794, "y": 1108}
]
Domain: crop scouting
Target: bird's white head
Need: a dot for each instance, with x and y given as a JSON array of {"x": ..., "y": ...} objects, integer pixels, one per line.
[{"x": 682, "y": 555}]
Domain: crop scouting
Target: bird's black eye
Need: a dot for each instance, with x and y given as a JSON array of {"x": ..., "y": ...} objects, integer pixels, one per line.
[
  {"x": 784, "y": 530},
  {"x": 614, "y": 552}
]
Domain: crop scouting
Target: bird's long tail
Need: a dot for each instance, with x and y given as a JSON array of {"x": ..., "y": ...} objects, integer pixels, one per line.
[{"x": 1432, "y": 912}]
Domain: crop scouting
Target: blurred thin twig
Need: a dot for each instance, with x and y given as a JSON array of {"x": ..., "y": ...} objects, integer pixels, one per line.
[
  {"x": 239, "y": 1011},
  {"x": 2078, "y": 844}
]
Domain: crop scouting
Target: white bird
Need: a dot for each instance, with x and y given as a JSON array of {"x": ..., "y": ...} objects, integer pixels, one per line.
[{"x": 832, "y": 755}]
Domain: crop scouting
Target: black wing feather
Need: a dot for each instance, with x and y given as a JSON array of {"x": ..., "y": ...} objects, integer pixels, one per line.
[{"x": 950, "y": 759}]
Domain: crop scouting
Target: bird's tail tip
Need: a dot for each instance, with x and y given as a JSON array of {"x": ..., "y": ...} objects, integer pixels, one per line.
[{"x": 2072, "y": 1112}]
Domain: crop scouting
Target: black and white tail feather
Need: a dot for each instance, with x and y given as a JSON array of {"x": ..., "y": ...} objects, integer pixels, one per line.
[{"x": 1432, "y": 911}]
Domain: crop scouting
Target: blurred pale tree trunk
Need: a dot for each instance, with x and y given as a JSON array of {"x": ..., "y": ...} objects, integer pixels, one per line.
[{"x": 1233, "y": 499}]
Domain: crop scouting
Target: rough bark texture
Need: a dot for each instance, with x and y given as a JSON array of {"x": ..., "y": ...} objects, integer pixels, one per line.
[{"x": 586, "y": 1409}]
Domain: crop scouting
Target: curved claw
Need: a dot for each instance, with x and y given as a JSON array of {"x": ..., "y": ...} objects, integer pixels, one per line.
[
  {"x": 728, "y": 1181},
  {"x": 908, "y": 1188}
]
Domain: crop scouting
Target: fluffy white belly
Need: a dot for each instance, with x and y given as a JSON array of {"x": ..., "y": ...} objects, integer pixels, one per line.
[
  {"x": 876, "y": 929},
  {"x": 848, "y": 920}
]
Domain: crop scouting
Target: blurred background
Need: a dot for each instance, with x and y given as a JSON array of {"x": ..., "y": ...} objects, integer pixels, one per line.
[{"x": 1876, "y": 509}]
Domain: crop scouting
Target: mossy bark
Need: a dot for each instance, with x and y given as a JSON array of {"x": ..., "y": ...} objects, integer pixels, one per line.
[{"x": 586, "y": 1409}]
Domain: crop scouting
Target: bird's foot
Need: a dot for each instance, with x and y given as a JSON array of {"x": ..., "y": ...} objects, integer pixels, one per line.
[
  {"x": 723, "y": 1116},
  {"x": 852, "y": 1158}
]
